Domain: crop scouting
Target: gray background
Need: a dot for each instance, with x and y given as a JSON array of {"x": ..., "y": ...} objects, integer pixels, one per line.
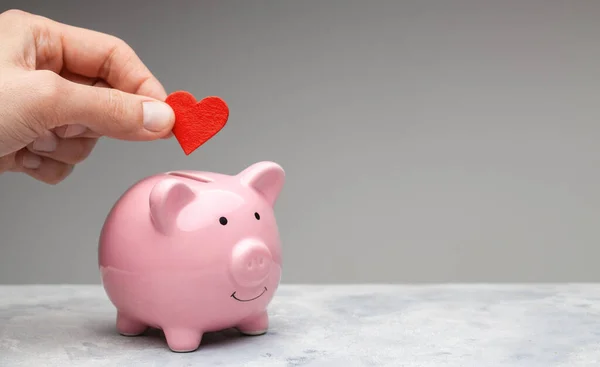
[{"x": 424, "y": 141}]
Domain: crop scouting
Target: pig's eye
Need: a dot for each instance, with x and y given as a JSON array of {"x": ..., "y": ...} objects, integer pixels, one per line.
[
  {"x": 223, "y": 220},
  {"x": 257, "y": 216}
]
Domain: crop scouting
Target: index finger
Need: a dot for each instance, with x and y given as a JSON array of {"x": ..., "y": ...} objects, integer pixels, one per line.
[{"x": 98, "y": 55}]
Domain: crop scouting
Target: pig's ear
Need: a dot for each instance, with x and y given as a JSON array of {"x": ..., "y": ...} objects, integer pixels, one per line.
[
  {"x": 265, "y": 177},
  {"x": 167, "y": 198}
]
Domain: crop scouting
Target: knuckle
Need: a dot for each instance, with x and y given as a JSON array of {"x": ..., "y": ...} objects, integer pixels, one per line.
[
  {"x": 50, "y": 87},
  {"x": 115, "y": 41},
  {"x": 120, "y": 47},
  {"x": 15, "y": 22},
  {"x": 14, "y": 14},
  {"x": 116, "y": 107},
  {"x": 120, "y": 44},
  {"x": 116, "y": 104},
  {"x": 49, "y": 91},
  {"x": 117, "y": 47}
]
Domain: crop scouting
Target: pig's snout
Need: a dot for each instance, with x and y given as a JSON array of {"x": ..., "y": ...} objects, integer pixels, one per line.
[{"x": 251, "y": 263}]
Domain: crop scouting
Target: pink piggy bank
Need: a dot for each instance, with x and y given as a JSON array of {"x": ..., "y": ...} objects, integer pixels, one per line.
[{"x": 192, "y": 252}]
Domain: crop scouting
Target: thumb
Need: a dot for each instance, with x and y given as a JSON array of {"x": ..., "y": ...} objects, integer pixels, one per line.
[{"x": 111, "y": 112}]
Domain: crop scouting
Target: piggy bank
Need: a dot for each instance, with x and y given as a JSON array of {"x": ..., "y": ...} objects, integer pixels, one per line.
[{"x": 191, "y": 252}]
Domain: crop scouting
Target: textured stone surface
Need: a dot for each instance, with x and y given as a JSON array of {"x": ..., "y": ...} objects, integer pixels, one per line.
[{"x": 350, "y": 325}]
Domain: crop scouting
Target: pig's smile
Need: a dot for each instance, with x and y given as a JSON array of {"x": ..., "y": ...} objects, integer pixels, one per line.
[{"x": 248, "y": 300}]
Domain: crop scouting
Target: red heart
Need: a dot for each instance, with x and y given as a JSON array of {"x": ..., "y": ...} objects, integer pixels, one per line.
[{"x": 196, "y": 122}]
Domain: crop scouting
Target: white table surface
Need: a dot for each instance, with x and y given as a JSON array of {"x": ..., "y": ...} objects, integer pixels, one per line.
[{"x": 346, "y": 325}]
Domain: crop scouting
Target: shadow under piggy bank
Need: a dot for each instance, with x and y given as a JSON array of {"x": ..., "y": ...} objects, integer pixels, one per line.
[
  {"x": 153, "y": 339},
  {"x": 210, "y": 340}
]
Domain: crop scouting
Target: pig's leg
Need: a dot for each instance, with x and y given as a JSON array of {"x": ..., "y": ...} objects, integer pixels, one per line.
[
  {"x": 183, "y": 340},
  {"x": 128, "y": 326},
  {"x": 254, "y": 325}
]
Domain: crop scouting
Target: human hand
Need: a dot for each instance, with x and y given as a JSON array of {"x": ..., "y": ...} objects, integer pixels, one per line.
[{"x": 63, "y": 87}]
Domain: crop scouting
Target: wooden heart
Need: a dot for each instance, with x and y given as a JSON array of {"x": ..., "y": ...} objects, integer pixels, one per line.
[{"x": 196, "y": 122}]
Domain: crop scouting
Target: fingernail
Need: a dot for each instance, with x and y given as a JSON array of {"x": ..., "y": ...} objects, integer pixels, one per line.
[
  {"x": 45, "y": 143},
  {"x": 73, "y": 130},
  {"x": 157, "y": 116},
  {"x": 31, "y": 161}
]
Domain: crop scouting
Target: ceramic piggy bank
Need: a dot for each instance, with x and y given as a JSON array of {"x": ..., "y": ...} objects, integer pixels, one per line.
[{"x": 191, "y": 252}]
